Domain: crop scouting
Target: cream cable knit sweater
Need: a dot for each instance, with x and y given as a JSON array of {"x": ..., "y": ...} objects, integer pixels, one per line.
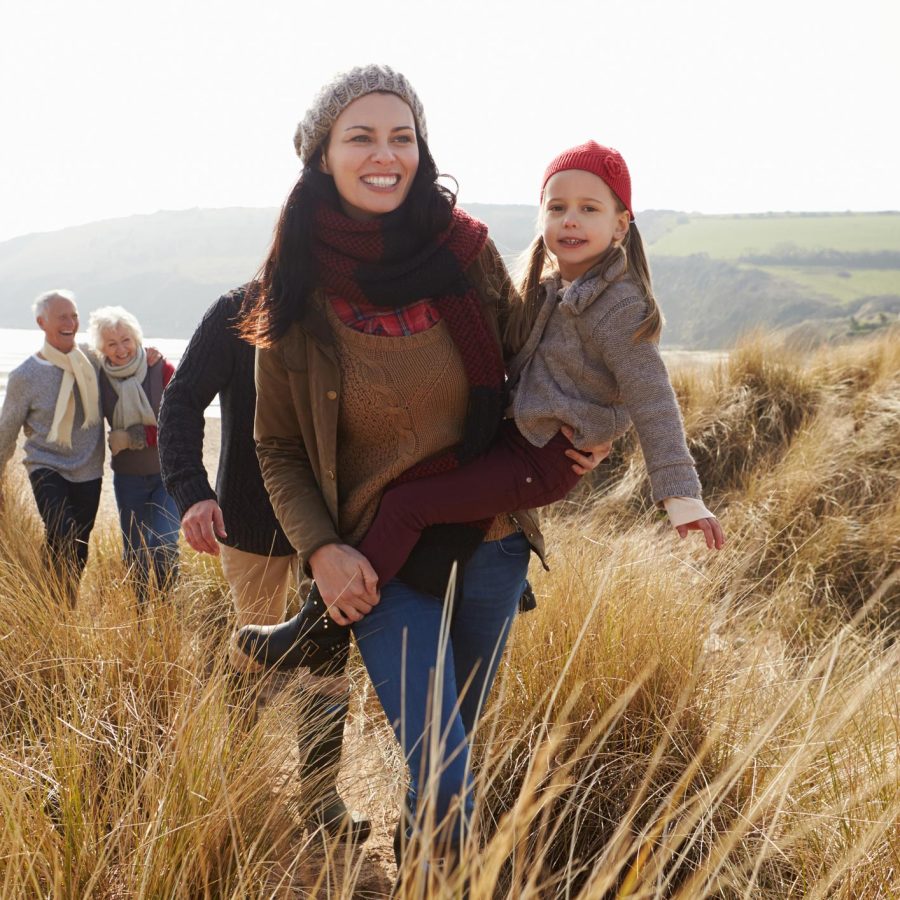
[{"x": 31, "y": 395}]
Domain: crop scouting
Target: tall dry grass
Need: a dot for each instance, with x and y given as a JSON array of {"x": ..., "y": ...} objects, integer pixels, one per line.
[
  {"x": 129, "y": 766},
  {"x": 667, "y": 724}
]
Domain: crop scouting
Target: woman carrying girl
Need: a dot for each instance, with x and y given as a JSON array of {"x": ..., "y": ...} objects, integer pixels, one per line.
[
  {"x": 377, "y": 320},
  {"x": 589, "y": 361},
  {"x": 130, "y": 392}
]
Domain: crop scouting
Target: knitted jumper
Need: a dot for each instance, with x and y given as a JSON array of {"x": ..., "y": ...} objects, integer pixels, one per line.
[
  {"x": 413, "y": 388},
  {"x": 217, "y": 361},
  {"x": 580, "y": 360},
  {"x": 31, "y": 393}
]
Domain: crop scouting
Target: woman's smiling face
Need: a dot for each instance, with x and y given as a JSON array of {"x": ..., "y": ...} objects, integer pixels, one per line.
[
  {"x": 372, "y": 155},
  {"x": 119, "y": 345}
]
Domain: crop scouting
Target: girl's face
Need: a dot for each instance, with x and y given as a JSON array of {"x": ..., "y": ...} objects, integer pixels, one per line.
[
  {"x": 580, "y": 220},
  {"x": 372, "y": 155},
  {"x": 118, "y": 345}
]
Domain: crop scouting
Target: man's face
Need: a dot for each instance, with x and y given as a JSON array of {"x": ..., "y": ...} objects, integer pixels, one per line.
[{"x": 60, "y": 323}]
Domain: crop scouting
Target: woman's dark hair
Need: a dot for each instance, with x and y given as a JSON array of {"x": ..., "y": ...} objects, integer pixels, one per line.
[{"x": 286, "y": 280}]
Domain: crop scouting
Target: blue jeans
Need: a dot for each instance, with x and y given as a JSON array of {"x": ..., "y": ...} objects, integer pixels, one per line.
[
  {"x": 150, "y": 524},
  {"x": 400, "y": 644}
]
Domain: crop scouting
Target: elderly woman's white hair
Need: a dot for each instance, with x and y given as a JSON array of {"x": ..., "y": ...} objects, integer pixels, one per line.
[
  {"x": 109, "y": 317},
  {"x": 41, "y": 302}
]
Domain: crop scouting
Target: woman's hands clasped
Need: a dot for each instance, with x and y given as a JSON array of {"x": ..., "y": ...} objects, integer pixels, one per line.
[{"x": 346, "y": 580}]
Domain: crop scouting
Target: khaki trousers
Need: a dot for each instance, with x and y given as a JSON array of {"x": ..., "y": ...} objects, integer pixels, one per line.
[{"x": 259, "y": 590}]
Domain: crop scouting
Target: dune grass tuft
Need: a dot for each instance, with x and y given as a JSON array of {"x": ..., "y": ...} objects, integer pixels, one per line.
[{"x": 668, "y": 723}]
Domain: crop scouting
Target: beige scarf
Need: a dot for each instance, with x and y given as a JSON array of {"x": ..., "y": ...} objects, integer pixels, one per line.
[
  {"x": 77, "y": 371},
  {"x": 132, "y": 406}
]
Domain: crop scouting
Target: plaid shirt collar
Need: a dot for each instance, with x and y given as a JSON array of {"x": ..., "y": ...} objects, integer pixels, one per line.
[{"x": 369, "y": 319}]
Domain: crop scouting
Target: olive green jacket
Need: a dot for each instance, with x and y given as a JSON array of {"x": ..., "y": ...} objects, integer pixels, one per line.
[{"x": 298, "y": 390}]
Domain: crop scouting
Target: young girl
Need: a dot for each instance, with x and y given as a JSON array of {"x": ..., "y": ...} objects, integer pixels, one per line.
[{"x": 589, "y": 363}]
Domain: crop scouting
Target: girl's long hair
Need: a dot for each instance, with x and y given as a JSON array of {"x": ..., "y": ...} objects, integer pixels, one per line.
[
  {"x": 281, "y": 291},
  {"x": 538, "y": 265}
]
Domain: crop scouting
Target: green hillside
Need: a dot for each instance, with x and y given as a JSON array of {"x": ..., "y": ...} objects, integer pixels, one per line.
[
  {"x": 819, "y": 276},
  {"x": 844, "y": 284},
  {"x": 731, "y": 237}
]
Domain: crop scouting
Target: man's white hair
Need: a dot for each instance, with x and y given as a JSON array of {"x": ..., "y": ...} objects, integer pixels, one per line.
[
  {"x": 43, "y": 301},
  {"x": 109, "y": 317}
]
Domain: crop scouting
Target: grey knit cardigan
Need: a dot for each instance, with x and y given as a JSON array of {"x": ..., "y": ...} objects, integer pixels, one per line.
[{"x": 580, "y": 367}]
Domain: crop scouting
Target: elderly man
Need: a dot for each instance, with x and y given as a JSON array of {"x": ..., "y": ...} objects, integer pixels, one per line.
[{"x": 54, "y": 396}]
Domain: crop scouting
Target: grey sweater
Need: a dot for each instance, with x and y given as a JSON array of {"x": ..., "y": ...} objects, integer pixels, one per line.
[
  {"x": 31, "y": 394},
  {"x": 580, "y": 367}
]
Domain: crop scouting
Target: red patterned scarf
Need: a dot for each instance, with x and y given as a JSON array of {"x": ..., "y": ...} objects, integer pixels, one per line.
[{"x": 382, "y": 262}]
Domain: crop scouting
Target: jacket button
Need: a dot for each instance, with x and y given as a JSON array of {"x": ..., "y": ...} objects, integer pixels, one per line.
[
  {"x": 332, "y": 395},
  {"x": 330, "y": 474}
]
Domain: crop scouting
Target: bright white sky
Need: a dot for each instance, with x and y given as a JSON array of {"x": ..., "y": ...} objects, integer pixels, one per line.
[{"x": 110, "y": 107}]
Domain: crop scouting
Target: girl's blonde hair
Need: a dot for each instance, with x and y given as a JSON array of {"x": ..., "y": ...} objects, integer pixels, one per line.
[{"x": 538, "y": 265}]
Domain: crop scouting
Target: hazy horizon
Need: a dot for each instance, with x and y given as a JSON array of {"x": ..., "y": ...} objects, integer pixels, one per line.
[
  {"x": 114, "y": 111},
  {"x": 773, "y": 213}
]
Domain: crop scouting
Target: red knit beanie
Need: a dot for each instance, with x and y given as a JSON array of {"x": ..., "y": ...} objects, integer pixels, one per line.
[{"x": 604, "y": 162}]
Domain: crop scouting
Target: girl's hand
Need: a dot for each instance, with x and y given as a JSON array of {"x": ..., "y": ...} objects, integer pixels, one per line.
[
  {"x": 585, "y": 461},
  {"x": 712, "y": 531},
  {"x": 346, "y": 580}
]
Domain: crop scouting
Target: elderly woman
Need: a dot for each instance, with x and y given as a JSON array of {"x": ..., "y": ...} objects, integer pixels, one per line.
[
  {"x": 130, "y": 393},
  {"x": 379, "y": 321}
]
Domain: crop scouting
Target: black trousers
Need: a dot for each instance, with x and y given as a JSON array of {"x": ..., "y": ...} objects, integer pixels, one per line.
[{"x": 68, "y": 509}]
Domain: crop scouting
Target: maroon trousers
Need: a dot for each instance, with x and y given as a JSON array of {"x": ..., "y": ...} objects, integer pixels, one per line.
[{"x": 512, "y": 475}]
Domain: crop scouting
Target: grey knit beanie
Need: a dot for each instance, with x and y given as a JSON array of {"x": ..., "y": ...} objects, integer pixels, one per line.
[{"x": 340, "y": 92}]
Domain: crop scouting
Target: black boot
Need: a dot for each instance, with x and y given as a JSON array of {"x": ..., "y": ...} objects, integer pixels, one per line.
[
  {"x": 311, "y": 639},
  {"x": 320, "y": 738}
]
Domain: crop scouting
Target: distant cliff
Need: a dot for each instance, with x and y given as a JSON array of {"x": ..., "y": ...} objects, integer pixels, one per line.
[{"x": 716, "y": 276}]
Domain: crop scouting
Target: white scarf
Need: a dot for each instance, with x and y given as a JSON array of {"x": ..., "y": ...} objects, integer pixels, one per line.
[
  {"x": 132, "y": 407},
  {"x": 77, "y": 371}
]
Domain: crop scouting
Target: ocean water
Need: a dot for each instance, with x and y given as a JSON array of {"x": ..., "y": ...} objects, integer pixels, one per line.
[{"x": 18, "y": 343}]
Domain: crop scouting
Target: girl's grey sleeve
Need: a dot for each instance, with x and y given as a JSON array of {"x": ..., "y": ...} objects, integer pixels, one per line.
[{"x": 647, "y": 393}]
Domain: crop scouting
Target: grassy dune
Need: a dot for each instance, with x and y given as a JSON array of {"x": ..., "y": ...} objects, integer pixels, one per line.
[{"x": 666, "y": 724}]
